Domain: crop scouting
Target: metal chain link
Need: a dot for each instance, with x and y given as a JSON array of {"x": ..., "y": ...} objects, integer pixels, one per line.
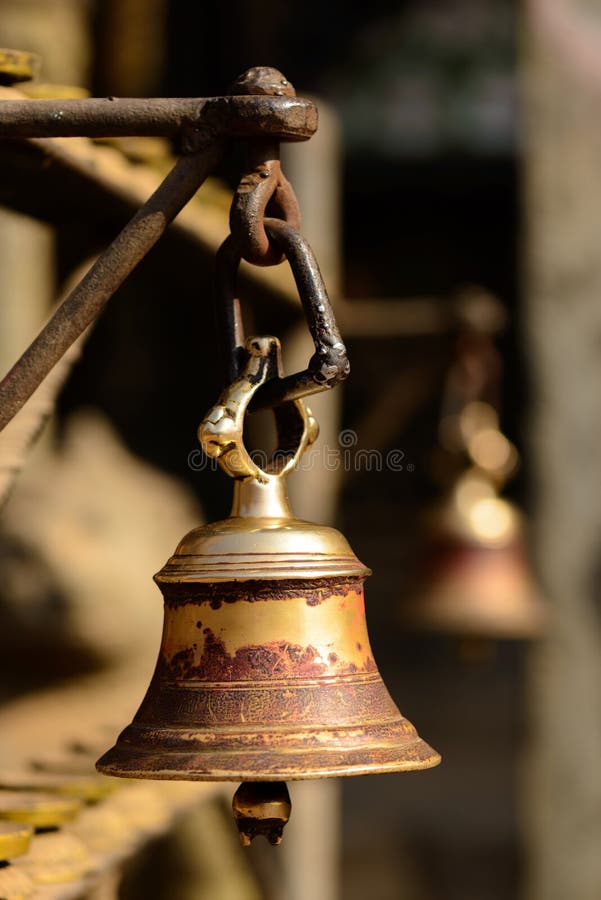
[
  {"x": 263, "y": 191},
  {"x": 329, "y": 364}
]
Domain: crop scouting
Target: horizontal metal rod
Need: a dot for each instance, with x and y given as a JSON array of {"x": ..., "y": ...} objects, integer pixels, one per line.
[
  {"x": 282, "y": 118},
  {"x": 108, "y": 273}
]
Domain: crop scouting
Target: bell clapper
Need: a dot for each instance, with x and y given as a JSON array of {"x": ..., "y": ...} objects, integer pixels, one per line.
[{"x": 261, "y": 807}]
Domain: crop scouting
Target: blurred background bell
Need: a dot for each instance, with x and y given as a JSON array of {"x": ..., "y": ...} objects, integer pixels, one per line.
[{"x": 473, "y": 579}]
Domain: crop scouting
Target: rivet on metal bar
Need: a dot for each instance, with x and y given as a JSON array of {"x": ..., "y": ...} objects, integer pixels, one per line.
[{"x": 263, "y": 189}]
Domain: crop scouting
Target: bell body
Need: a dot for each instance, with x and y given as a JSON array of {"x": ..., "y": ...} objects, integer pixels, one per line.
[
  {"x": 481, "y": 592},
  {"x": 265, "y": 671},
  {"x": 473, "y": 578}
]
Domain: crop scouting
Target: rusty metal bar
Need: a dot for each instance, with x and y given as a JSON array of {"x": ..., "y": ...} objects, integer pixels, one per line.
[
  {"x": 107, "y": 274},
  {"x": 256, "y": 116}
]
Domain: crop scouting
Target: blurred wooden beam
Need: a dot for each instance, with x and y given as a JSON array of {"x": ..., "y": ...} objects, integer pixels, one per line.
[{"x": 562, "y": 800}]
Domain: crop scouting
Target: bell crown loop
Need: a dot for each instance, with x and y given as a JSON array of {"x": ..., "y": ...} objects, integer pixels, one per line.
[{"x": 258, "y": 491}]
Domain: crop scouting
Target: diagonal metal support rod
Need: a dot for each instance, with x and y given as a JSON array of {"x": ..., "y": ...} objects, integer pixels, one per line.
[{"x": 107, "y": 274}]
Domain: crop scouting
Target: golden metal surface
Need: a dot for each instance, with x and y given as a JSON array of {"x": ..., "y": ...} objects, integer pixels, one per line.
[
  {"x": 241, "y": 548},
  {"x": 37, "y": 809},
  {"x": 14, "y": 840},
  {"x": 221, "y": 433},
  {"x": 39, "y": 90},
  {"x": 56, "y": 857},
  {"x": 17, "y": 65},
  {"x": 266, "y": 681},
  {"x": 15, "y": 884}
]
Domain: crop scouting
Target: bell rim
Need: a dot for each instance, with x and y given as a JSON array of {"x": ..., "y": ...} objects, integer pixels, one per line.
[
  {"x": 420, "y": 765},
  {"x": 373, "y": 754}
]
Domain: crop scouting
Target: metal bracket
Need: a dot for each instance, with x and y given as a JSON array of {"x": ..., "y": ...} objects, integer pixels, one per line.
[{"x": 205, "y": 125}]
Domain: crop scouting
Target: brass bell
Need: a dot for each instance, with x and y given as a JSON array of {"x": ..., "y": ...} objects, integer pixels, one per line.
[
  {"x": 474, "y": 580},
  {"x": 265, "y": 671}
]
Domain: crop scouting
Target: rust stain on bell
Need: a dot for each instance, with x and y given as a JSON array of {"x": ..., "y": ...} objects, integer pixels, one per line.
[{"x": 265, "y": 671}]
